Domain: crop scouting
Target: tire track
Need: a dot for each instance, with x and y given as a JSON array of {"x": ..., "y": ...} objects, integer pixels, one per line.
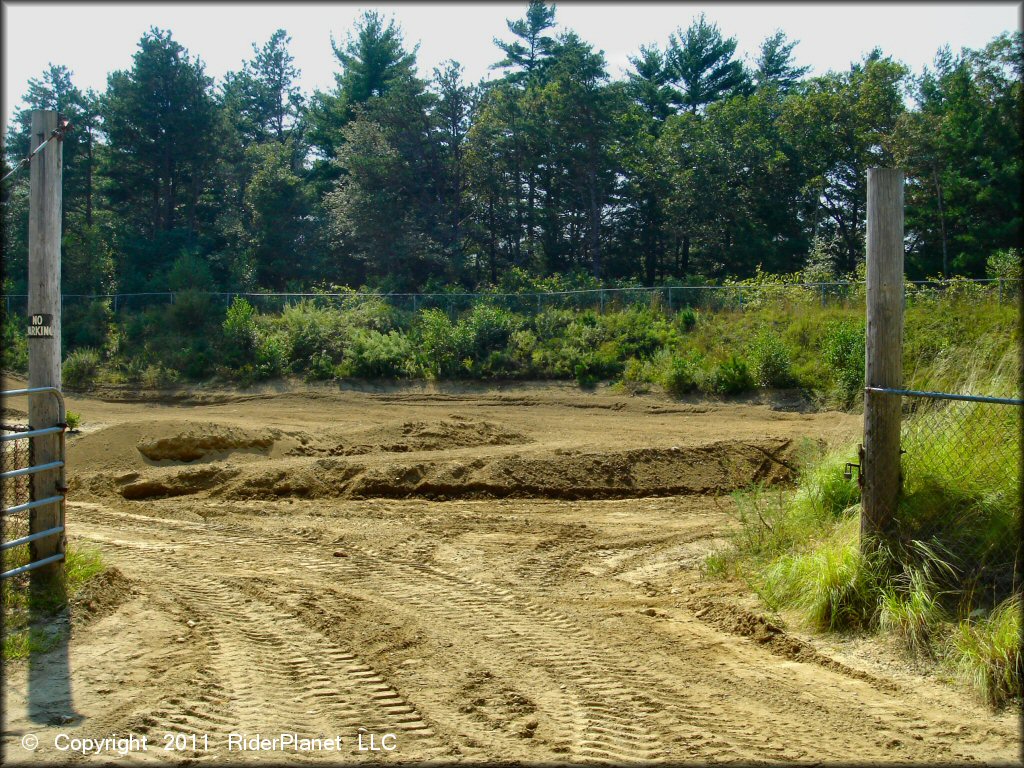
[
  {"x": 615, "y": 722},
  {"x": 267, "y": 672},
  {"x": 610, "y": 710}
]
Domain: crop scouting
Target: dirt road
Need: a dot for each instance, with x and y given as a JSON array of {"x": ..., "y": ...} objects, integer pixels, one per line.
[{"x": 486, "y": 575}]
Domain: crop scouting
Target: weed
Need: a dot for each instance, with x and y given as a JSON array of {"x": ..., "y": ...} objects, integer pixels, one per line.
[
  {"x": 770, "y": 362},
  {"x": 25, "y": 607},
  {"x": 730, "y": 377},
  {"x": 81, "y": 367},
  {"x": 987, "y": 653}
]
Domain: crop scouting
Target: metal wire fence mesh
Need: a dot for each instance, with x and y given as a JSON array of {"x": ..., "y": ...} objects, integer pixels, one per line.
[
  {"x": 670, "y": 298},
  {"x": 14, "y": 454},
  {"x": 962, "y": 484}
]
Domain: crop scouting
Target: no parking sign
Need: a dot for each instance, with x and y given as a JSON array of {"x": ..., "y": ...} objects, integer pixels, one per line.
[{"x": 40, "y": 326}]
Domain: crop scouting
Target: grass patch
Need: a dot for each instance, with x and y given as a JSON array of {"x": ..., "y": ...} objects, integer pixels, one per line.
[
  {"x": 987, "y": 653},
  {"x": 27, "y": 611},
  {"x": 947, "y": 583}
]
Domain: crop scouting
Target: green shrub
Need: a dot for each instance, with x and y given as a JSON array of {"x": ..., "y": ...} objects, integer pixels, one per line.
[
  {"x": 321, "y": 367},
  {"x": 240, "y": 333},
  {"x": 770, "y": 361},
  {"x": 373, "y": 314},
  {"x": 190, "y": 272},
  {"x": 73, "y": 419},
  {"x": 376, "y": 355},
  {"x": 86, "y": 323},
  {"x": 191, "y": 312},
  {"x": 522, "y": 344},
  {"x": 15, "y": 346},
  {"x": 843, "y": 351},
  {"x": 311, "y": 331},
  {"x": 638, "y": 331},
  {"x": 552, "y": 323},
  {"x": 680, "y": 373},
  {"x": 1005, "y": 264},
  {"x": 911, "y": 610},
  {"x": 271, "y": 356},
  {"x": 157, "y": 376},
  {"x": 686, "y": 319},
  {"x": 81, "y": 367},
  {"x": 486, "y": 329},
  {"x": 442, "y": 344},
  {"x": 730, "y": 377}
]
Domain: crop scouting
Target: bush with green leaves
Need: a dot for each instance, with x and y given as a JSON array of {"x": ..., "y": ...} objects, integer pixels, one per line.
[
  {"x": 678, "y": 373},
  {"x": 686, "y": 319},
  {"x": 842, "y": 348},
  {"x": 487, "y": 328},
  {"x": 157, "y": 376},
  {"x": 271, "y": 355},
  {"x": 1005, "y": 264},
  {"x": 15, "y": 346},
  {"x": 730, "y": 377},
  {"x": 771, "y": 364},
  {"x": 73, "y": 419},
  {"x": 81, "y": 367},
  {"x": 312, "y": 332},
  {"x": 592, "y": 366},
  {"x": 375, "y": 355},
  {"x": 86, "y": 323},
  {"x": 240, "y": 335},
  {"x": 190, "y": 272},
  {"x": 373, "y": 313},
  {"x": 639, "y": 331},
  {"x": 192, "y": 311},
  {"x": 442, "y": 344}
]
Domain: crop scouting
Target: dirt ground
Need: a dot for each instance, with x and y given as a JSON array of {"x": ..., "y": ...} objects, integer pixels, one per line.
[{"x": 487, "y": 574}]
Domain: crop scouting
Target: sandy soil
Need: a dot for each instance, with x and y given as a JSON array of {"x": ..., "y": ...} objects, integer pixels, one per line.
[{"x": 487, "y": 574}]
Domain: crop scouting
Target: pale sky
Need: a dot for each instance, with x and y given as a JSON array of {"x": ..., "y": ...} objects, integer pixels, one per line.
[{"x": 94, "y": 39}]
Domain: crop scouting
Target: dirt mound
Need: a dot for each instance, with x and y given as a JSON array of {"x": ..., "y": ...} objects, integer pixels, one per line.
[
  {"x": 206, "y": 442},
  {"x": 136, "y": 446},
  {"x": 445, "y": 434},
  {"x": 457, "y": 432},
  {"x": 714, "y": 468},
  {"x": 764, "y": 632},
  {"x": 102, "y": 595}
]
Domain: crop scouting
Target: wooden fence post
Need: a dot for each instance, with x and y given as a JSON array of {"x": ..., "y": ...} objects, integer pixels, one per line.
[
  {"x": 44, "y": 351},
  {"x": 883, "y": 358}
]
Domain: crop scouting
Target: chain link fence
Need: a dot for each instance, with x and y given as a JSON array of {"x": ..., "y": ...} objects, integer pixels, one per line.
[
  {"x": 14, "y": 454},
  {"x": 669, "y": 298},
  {"x": 961, "y": 468}
]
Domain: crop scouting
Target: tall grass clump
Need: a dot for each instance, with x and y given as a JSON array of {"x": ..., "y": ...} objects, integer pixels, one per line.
[
  {"x": 987, "y": 653},
  {"x": 25, "y": 608},
  {"x": 81, "y": 367},
  {"x": 832, "y": 583}
]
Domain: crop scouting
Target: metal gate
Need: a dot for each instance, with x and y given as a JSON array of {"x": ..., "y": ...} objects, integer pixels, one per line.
[{"x": 16, "y": 478}]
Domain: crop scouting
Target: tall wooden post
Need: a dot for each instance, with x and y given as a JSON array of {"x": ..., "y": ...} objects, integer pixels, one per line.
[
  {"x": 44, "y": 354},
  {"x": 883, "y": 359}
]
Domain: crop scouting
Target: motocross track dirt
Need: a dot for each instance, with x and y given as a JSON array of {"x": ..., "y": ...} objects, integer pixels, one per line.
[{"x": 504, "y": 574}]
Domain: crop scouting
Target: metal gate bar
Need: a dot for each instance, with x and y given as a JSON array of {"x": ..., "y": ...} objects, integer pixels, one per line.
[{"x": 60, "y": 429}]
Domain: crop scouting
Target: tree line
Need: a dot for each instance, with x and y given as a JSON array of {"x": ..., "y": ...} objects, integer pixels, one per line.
[{"x": 695, "y": 166}]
